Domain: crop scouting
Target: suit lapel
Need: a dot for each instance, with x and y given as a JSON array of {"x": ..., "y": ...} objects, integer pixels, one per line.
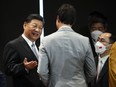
[
  {"x": 26, "y": 46},
  {"x": 104, "y": 70}
]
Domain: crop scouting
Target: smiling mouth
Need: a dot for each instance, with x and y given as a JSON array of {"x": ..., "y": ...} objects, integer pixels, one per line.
[{"x": 35, "y": 34}]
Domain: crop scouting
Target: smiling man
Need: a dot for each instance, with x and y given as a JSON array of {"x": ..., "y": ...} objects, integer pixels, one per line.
[{"x": 19, "y": 57}]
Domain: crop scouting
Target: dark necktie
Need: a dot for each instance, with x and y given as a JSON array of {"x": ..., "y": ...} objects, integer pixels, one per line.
[{"x": 99, "y": 68}]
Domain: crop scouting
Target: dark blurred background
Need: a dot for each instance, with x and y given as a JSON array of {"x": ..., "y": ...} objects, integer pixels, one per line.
[{"x": 13, "y": 13}]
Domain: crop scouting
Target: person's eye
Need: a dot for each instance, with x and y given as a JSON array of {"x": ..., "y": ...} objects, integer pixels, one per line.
[{"x": 34, "y": 26}]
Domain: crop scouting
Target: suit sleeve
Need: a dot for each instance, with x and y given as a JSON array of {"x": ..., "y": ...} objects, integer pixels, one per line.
[
  {"x": 43, "y": 65},
  {"x": 90, "y": 68},
  {"x": 112, "y": 66},
  {"x": 12, "y": 63}
]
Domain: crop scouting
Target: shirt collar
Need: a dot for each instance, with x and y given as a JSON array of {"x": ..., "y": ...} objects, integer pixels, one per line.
[
  {"x": 27, "y": 40},
  {"x": 65, "y": 26},
  {"x": 103, "y": 59}
]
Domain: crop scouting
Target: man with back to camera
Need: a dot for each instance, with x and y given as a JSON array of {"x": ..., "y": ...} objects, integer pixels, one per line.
[
  {"x": 66, "y": 58},
  {"x": 19, "y": 56}
]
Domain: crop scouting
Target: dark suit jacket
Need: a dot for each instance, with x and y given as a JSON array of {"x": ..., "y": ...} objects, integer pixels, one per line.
[
  {"x": 103, "y": 79},
  {"x": 14, "y": 53}
]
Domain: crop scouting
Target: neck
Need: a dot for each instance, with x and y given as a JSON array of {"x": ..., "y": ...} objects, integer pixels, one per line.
[
  {"x": 105, "y": 53},
  {"x": 64, "y": 25}
]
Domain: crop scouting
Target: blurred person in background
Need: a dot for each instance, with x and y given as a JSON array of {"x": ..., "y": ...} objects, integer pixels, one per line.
[
  {"x": 97, "y": 24},
  {"x": 3, "y": 82}
]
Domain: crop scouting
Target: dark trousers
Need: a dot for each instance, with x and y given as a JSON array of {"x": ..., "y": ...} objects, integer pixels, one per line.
[{"x": 3, "y": 82}]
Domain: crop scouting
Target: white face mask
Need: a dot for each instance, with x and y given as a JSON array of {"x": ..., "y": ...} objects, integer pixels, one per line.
[
  {"x": 95, "y": 34},
  {"x": 99, "y": 47}
]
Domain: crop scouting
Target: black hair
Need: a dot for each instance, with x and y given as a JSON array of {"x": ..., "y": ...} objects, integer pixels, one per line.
[
  {"x": 112, "y": 39},
  {"x": 67, "y": 14},
  {"x": 34, "y": 16},
  {"x": 97, "y": 17}
]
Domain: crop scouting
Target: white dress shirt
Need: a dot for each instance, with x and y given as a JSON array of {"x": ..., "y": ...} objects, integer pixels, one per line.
[
  {"x": 101, "y": 63},
  {"x": 29, "y": 42}
]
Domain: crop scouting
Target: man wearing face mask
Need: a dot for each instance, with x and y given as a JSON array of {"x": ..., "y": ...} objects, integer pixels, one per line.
[
  {"x": 97, "y": 29},
  {"x": 102, "y": 47},
  {"x": 97, "y": 24}
]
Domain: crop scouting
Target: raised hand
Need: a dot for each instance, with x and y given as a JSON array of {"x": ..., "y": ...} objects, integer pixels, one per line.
[{"x": 30, "y": 64}]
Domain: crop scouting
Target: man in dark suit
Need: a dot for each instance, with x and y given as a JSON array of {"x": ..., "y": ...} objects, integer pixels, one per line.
[
  {"x": 20, "y": 60},
  {"x": 102, "y": 47}
]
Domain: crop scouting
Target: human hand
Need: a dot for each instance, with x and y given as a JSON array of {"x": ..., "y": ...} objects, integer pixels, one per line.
[{"x": 30, "y": 64}]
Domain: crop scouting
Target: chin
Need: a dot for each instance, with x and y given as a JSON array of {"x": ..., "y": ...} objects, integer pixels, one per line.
[{"x": 35, "y": 38}]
